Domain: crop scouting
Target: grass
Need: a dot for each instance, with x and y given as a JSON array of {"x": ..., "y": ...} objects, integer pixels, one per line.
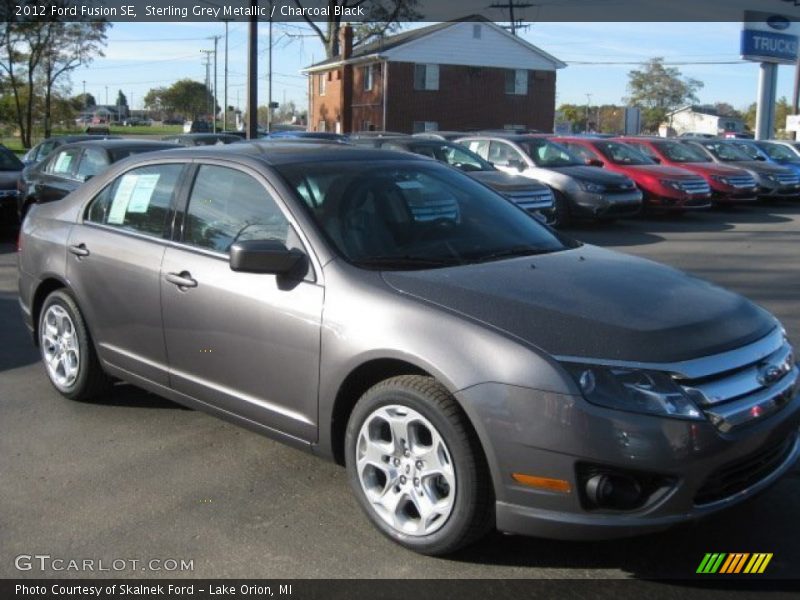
[{"x": 14, "y": 144}]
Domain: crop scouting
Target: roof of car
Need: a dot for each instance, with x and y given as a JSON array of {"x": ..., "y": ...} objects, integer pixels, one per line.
[
  {"x": 513, "y": 137},
  {"x": 70, "y": 139},
  {"x": 123, "y": 143},
  {"x": 287, "y": 152}
]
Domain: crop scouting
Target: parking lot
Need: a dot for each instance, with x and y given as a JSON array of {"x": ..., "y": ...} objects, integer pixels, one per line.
[{"x": 137, "y": 477}]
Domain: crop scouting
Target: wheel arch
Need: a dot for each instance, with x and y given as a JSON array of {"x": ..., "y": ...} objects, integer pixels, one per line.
[{"x": 47, "y": 286}]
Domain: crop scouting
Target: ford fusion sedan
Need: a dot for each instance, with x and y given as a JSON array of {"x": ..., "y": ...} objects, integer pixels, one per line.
[
  {"x": 771, "y": 152},
  {"x": 580, "y": 191},
  {"x": 71, "y": 165},
  {"x": 472, "y": 369},
  {"x": 729, "y": 185},
  {"x": 665, "y": 188},
  {"x": 773, "y": 180},
  {"x": 534, "y": 197}
]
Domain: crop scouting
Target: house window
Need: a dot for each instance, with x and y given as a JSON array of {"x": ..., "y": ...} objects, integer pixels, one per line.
[
  {"x": 426, "y": 77},
  {"x": 420, "y": 126},
  {"x": 321, "y": 125},
  {"x": 323, "y": 77},
  {"x": 517, "y": 82},
  {"x": 366, "y": 73},
  {"x": 476, "y": 32}
]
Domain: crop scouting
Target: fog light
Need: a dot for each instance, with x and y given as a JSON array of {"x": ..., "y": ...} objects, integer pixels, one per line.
[{"x": 614, "y": 491}]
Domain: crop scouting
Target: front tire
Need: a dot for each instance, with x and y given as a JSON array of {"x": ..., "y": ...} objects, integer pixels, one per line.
[
  {"x": 416, "y": 466},
  {"x": 67, "y": 351}
]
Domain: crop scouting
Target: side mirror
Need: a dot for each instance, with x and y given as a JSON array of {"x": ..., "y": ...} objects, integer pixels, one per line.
[
  {"x": 266, "y": 256},
  {"x": 656, "y": 160},
  {"x": 594, "y": 162}
]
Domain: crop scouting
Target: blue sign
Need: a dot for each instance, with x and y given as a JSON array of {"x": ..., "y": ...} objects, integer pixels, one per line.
[{"x": 769, "y": 46}]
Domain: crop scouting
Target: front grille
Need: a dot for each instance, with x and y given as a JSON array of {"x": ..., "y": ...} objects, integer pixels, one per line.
[
  {"x": 741, "y": 181},
  {"x": 787, "y": 179},
  {"x": 754, "y": 390},
  {"x": 531, "y": 200},
  {"x": 745, "y": 472},
  {"x": 696, "y": 187}
]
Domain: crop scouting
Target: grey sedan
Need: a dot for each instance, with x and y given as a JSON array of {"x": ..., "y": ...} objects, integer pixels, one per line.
[{"x": 470, "y": 367}]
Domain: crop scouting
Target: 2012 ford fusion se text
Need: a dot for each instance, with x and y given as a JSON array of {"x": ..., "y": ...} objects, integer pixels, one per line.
[{"x": 471, "y": 367}]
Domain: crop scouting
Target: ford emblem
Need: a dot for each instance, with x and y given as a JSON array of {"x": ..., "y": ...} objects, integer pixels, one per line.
[{"x": 778, "y": 22}]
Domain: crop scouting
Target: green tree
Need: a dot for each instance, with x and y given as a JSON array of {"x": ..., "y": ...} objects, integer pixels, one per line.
[
  {"x": 185, "y": 97},
  {"x": 82, "y": 101},
  {"x": 381, "y": 17},
  {"x": 782, "y": 109},
  {"x": 658, "y": 89}
]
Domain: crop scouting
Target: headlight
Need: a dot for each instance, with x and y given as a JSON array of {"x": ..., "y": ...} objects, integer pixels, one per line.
[
  {"x": 675, "y": 185},
  {"x": 634, "y": 390},
  {"x": 594, "y": 188}
]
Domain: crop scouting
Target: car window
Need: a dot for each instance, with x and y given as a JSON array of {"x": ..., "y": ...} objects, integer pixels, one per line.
[
  {"x": 63, "y": 162},
  {"x": 479, "y": 147},
  {"x": 725, "y": 151},
  {"x": 502, "y": 154},
  {"x": 227, "y": 205},
  {"x": 682, "y": 153},
  {"x": 140, "y": 200},
  {"x": 549, "y": 155},
  {"x": 44, "y": 150},
  {"x": 644, "y": 149},
  {"x": 579, "y": 150},
  {"x": 92, "y": 162},
  {"x": 622, "y": 154},
  {"x": 778, "y": 152},
  {"x": 9, "y": 160},
  {"x": 411, "y": 215}
]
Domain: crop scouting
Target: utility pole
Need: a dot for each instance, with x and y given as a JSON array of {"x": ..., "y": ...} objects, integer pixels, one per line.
[
  {"x": 510, "y": 6},
  {"x": 85, "y": 104},
  {"x": 207, "y": 65},
  {"x": 269, "y": 105},
  {"x": 225, "y": 93},
  {"x": 252, "y": 74},
  {"x": 214, "y": 108},
  {"x": 588, "y": 105}
]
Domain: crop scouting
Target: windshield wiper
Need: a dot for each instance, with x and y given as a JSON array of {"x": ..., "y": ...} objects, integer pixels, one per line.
[
  {"x": 512, "y": 252},
  {"x": 405, "y": 261}
]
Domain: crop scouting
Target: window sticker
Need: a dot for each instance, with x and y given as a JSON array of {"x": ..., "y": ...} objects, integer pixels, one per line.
[
  {"x": 133, "y": 196},
  {"x": 119, "y": 205},
  {"x": 63, "y": 162},
  {"x": 142, "y": 193}
]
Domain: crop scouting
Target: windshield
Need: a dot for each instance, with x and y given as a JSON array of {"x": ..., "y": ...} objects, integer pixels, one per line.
[
  {"x": 548, "y": 155},
  {"x": 751, "y": 150},
  {"x": 451, "y": 154},
  {"x": 681, "y": 153},
  {"x": 407, "y": 215},
  {"x": 725, "y": 152},
  {"x": 622, "y": 154},
  {"x": 778, "y": 152}
]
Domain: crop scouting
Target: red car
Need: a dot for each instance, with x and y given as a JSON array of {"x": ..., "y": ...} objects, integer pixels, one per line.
[
  {"x": 664, "y": 187},
  {"x": 728, "y": 184}
]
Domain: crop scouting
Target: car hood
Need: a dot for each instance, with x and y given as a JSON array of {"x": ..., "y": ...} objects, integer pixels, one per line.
[
  {"x": 661, "y": 171},
  {"x": 759, "y": 166},
  {"x": 8, "y": 180},
  {"x": 593, "y": 303},
  {"x": 592, "y": 174},
  {"x": 712, "y": 168},
  {"x": 503, "y": 182}
]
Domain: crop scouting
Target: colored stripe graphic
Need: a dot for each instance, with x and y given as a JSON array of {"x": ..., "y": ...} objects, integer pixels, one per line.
[{"x": 734, "y": 563}]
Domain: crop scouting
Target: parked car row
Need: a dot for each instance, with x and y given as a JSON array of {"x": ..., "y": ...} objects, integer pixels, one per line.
[{"x": 471, "y": 367}]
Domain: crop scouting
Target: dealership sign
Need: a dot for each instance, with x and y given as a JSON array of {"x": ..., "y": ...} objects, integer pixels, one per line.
[{"x": 767, "y": 37}]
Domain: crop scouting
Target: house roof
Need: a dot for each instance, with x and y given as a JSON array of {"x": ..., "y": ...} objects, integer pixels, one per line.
[{"x": 384, "y": 44}]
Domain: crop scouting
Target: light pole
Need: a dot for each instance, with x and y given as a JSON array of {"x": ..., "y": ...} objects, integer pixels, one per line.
[{"x": 225, "y": 93}]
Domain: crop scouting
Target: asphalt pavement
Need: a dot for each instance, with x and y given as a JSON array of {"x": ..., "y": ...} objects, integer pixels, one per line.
[{"x": 136, "y": 478}]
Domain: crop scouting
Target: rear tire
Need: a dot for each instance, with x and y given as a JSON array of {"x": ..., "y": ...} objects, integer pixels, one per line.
[
  {"x": 416, "y": 466},
  {"x": 67, "y": 351}
]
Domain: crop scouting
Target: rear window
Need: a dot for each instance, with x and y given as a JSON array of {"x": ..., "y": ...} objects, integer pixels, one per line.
[
  {"x": 9, "y": 160},
  {"x": 120, "y": 153}
]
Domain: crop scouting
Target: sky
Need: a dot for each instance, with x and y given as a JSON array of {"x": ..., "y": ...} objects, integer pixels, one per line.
[{"x": 140, "y": 56}]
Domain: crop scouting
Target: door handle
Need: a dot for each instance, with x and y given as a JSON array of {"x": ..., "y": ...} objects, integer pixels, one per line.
[
  {"x": 79, "y": 250},
  {"x": 182, "y": 279}
]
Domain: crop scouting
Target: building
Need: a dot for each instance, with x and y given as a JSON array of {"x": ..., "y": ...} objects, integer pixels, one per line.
[
  {"x": 456, "y": 75},
  {"x": 702, "y": 119}
]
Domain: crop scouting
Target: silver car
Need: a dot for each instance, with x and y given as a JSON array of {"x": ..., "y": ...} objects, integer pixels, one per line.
[{"x": 471, "y": 367}]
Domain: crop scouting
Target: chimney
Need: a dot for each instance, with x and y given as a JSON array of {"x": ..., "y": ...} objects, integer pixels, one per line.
[{"x": 346, "y": 41}]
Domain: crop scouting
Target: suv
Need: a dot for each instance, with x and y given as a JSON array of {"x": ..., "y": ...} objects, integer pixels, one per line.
[{"x": 580, "y": 191}]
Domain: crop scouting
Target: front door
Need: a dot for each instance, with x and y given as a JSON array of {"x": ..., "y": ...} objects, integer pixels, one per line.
[{"x": 246, "y": 343}]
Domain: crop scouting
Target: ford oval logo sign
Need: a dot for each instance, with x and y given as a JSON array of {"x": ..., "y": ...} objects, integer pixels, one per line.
[{"x": 778, "y": 22}]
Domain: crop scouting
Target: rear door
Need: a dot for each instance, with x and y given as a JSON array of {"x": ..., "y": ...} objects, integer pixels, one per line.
[
  {"x": 248, "y": 344},
  {"x": 114, "y": 264}
]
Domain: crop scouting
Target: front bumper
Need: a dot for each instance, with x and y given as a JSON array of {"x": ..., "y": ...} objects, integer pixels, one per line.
[
  {"x": 549, "y": 435},
  {"x": 605, "y": 205}
]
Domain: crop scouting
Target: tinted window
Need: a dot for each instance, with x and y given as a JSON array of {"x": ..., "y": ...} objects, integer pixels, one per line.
[
  {"x": 678, "y": 152},
  {"x": 227, "y": 205},
  {"x": 9, "y": 160},
  {"x": 778, "y": 152},
  {"x": 452, "y": 155},
  {"x": 750, "y": 149},
  {"x": 579, "y": 151},
  {"x": 645, "y": 149},
  {"x": 725, "y": 152},
  {"x": 546, "y": 154},
  {"x": 92, "y": 162},
  {"x": 63, "y": 162},
  {"x": 140, "y": 200},
  {"x": 502, "y": 154},
  {"x": 387, "y": 215},
  {"x": 45, "y": 148},
  {"x": 118, "y": 154},
  {"x": 622, "y": 154}
]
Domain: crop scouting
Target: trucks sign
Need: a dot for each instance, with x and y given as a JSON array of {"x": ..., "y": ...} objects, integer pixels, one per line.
[{"x": 767, "y": 37}]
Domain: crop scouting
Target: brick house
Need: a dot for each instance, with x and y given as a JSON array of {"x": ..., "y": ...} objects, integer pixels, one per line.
[{"x": 457, "y": 75}]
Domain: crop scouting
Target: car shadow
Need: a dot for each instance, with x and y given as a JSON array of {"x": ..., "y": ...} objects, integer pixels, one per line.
[
  {"x": 17, "y": 349},
  {"x": 766, "y": 523},
  {"x": 126, "y": 394}
]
